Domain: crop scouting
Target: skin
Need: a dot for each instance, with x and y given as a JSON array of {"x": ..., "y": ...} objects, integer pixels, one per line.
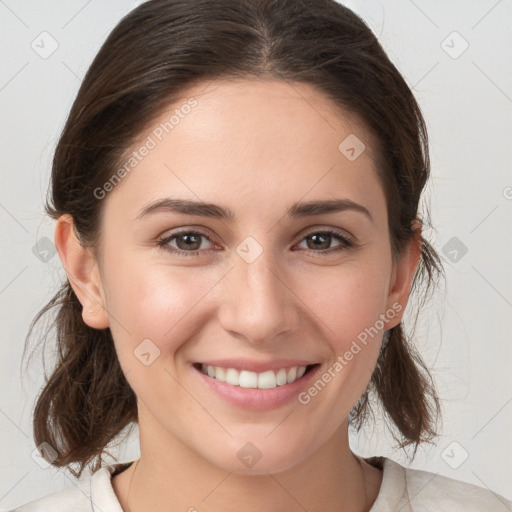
[{"x": 255, "y": 147}]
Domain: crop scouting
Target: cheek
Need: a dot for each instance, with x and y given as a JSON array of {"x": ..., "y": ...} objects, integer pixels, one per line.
[
  {"x": 345, "y": 300},
  {"x": 154, "y": 312},
  {"x": 155, "y": 302},
  {"x": 169, "y": 304}
]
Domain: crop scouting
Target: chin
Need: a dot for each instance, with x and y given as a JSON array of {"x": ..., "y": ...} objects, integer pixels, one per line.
[{"x": 258, "y": 457}]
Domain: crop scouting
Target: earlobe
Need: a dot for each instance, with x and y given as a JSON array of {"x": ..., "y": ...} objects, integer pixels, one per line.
[
  {"x": 83, "y": 273},
  {"x": 403, "y": 275}
]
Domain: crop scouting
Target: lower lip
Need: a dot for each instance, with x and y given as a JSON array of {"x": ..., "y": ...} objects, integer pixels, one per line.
[{"x": 254, "y": 398}]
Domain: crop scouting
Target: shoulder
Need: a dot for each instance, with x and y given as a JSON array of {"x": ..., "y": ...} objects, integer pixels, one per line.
[
  {"x": 74, "y": 497},
  {"x": 413, "y": 490},
  {"x": 434, "y": 491},
  {"x": 93, "y": 493}
]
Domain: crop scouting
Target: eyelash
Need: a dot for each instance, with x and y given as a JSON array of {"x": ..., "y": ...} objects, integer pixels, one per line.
[{"x": 345, "y": 244}]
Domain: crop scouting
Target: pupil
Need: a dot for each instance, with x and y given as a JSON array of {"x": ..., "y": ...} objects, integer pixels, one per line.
[
  {"x": 195, "y": 244},
  {"x": 319, "y": 237}
]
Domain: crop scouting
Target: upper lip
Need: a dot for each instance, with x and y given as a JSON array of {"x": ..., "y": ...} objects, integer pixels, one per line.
[{"x": 256, "y": 366}]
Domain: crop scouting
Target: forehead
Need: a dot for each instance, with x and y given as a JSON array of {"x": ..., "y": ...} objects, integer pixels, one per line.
[
  {"x": 252, "y": 142},
  {"x": 268, "y": 108}
]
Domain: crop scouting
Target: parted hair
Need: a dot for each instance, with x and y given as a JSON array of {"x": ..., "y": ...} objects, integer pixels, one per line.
[{"x": 152, "y": 56}]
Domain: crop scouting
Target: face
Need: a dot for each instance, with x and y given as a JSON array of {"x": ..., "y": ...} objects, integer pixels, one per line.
[{"x": 273, "y": 288}]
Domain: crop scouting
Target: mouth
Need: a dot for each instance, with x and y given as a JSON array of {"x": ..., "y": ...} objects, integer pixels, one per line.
[{"x": 268, "y": 379}]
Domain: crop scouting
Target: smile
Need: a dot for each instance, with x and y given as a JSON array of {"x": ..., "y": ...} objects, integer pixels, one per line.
[
  {"x": 255, "y": 385},
  {"x": 247, "y": 379}
]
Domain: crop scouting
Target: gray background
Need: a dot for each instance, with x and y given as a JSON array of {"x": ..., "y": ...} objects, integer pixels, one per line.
[{"x": 463, "y": 332}]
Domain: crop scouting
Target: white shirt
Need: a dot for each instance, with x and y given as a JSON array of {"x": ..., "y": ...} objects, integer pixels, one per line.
[{"x": 402, "y": 489}]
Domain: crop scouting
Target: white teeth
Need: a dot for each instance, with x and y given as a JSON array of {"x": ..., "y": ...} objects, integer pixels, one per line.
[
  {"x": 281, "y": 377},
  {"x": 267, "y": 380},
  {"x": 292, "y": 374},
  {"x": 231, "y": 377},
  {"x": 220, "y": 374},
  {"x": 246, "y": 379}
]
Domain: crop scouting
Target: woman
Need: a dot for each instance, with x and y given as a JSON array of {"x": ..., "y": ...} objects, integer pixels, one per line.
[{"x": 236, "y": 199}]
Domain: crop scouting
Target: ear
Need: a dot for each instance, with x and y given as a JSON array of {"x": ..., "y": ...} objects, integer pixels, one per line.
[
  {"x": 83, "y": 273},
  {"x": 402, "y": 276}
]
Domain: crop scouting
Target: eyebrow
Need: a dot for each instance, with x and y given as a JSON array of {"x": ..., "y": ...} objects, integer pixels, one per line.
[{"x": 297, "y": 210}]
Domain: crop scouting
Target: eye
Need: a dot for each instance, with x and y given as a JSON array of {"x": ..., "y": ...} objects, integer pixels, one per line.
[
  {"x": 322, "y": 240},
  {"x": 188, "y": 243}
]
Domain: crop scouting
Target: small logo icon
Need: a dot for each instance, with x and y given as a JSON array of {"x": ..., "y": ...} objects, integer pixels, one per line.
[
  {"x": 44, "y": 250},
  {"x": 249, "y": 455},
  {"x": 44, "y": 455},
  {"x": 45, "y": 45},
  {"x": 454, "y": 455},
  {"x": 454, "y": 45},
  {"x": 351, "y": 147},
  {"x": 146, "y": 352},
  {"x": 249, "y": 250},
  {"x": 454, "y": 249}
]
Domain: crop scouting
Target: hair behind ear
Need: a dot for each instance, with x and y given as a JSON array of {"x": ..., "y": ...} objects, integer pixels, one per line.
[
  {"x": 406, "y": 390},
  {"x": 87, "y": 400}
]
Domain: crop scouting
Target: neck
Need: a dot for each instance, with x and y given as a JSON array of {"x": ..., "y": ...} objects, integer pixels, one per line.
[{"x": 175, "y": 478}]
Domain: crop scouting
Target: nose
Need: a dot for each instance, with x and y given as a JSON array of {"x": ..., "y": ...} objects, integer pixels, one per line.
[{"x": 258, "y": 302}]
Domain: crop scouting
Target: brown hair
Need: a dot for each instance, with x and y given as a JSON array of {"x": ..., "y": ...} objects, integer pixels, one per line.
[{"x": 153, "y": 56}]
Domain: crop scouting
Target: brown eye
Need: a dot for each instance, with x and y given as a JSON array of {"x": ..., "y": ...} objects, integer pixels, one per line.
[
  {"x": 188, "y": 243},
  {"x": 320, "y": 242}
]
